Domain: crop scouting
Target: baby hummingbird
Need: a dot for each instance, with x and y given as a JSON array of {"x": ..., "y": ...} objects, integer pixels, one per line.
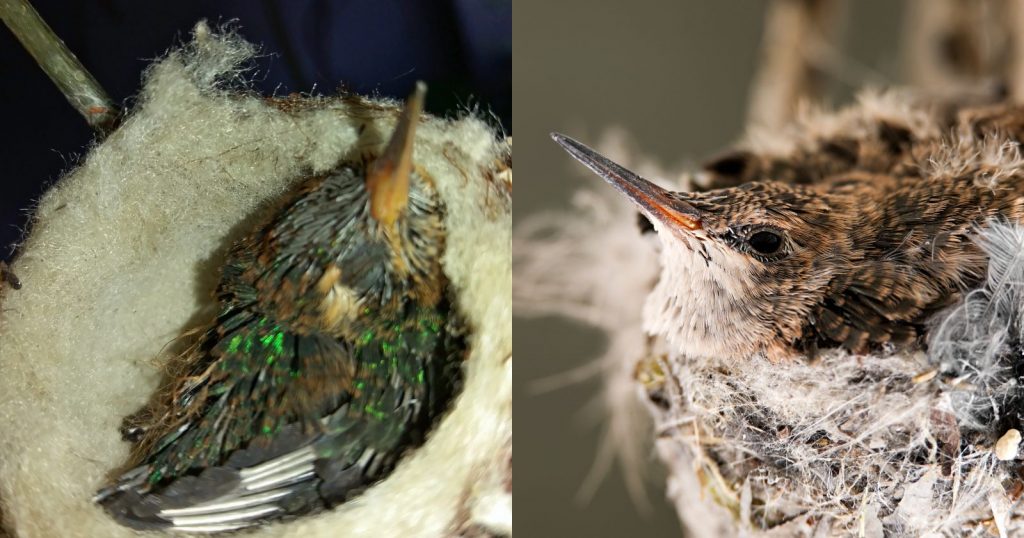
[
  {"x": 334, "y": 351},
  {"x": 855, "y": 259}
]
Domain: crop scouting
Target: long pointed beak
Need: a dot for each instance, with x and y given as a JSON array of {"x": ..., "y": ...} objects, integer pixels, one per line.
[
  {"x": 656, "y": 202},
  {"x": 387, "y": 179}
]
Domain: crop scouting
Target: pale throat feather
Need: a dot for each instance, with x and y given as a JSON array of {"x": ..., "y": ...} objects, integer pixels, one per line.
[{"x": 698, "y": 306}]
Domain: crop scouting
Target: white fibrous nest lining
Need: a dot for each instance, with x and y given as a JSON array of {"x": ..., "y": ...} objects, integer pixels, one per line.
[
  {"x": 902, "y": 444},
  {"x": 912, "y": 443}
]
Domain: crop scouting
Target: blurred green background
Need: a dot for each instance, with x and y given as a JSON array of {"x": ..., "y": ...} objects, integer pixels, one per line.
[{"x": 675, "y": 74}]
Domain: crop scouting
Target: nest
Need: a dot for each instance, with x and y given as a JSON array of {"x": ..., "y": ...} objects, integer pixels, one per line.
[
  {"x": 898, "y": 443},
  {"x": 124, "y": 254}
]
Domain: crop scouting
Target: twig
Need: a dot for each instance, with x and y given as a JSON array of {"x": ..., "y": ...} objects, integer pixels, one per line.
[
  {"x": 952, "y": 47},
  {"x": 1014, "y": 21},
  {"x": 793, "y": 32},
  {"x": 63, "y": 68}
]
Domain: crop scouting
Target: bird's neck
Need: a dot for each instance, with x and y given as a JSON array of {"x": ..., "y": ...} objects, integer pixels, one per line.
[{"x": 701, "y": 303}]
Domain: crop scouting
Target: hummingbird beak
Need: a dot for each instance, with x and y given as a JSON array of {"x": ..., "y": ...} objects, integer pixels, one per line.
[
  {"x": 387, "y": 179},
  {"x": 656, "y": 202}
]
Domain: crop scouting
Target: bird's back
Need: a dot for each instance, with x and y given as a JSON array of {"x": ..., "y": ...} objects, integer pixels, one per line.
[
  {"x": 238, "y": 459},
  {"x": 918, "y": 190}
]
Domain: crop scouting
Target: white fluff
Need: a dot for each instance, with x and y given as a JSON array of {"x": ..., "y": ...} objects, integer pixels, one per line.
[{"x": 563, "y": 265}]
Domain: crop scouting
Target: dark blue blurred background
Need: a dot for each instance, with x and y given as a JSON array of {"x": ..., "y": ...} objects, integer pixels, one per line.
[{"x": 461, "y": 48}]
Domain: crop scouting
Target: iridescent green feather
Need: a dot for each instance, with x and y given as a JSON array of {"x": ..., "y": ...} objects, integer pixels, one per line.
[{"x": 258, "y": 363}]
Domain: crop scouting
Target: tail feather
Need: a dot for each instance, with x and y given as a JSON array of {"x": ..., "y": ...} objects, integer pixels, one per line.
[{"x": 249, "y": 488}]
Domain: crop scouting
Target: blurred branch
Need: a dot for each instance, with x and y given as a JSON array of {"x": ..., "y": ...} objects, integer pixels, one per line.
[
  {"x": 793, "y": 31},
  {"x": 63, "y": 68},
  {"x": 953, "y": 48},
  {"x": 1014, "y": 21}
]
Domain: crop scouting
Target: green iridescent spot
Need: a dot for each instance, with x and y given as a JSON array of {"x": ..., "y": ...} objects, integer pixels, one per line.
[
  {"x": 374, "y": 412},
  {"x": 367, "y": 336},
  {"x": 419, "y": 377},
  {"x": 267, "y": 429},
  {"x": 155, "y": 477},
  {"x": 360, "y": 385},
  {"x": 236, "y": 341}
]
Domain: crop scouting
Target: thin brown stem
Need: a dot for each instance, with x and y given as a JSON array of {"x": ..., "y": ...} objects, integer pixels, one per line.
[
  {"x": 953, "y": 48},
  {"x": 793, "y": 31},
  {"x": 1014, "y": 21},
  {"x": 63, "y": 68}
]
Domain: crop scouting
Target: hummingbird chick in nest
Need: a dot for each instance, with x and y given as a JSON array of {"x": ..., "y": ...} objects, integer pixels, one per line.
[
  {"x": 857, "y": 259},
  {"x": 335, "y": 349}
]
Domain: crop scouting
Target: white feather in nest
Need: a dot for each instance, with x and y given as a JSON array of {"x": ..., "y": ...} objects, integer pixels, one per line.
[{"x": 838, "y": 446}]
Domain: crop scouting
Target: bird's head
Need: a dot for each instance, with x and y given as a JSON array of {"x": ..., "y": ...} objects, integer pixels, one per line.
[
  {"x": 405, "y": 213},
  {"x": 743, "y": 267},
  {"x": 358, "y": 244}
]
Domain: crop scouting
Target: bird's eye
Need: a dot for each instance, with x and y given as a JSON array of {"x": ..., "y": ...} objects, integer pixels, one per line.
[{"x": 765, "y": 242}]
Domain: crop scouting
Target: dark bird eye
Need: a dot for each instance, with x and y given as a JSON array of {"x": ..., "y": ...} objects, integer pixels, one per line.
[{"x": 765, "y": 242}]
